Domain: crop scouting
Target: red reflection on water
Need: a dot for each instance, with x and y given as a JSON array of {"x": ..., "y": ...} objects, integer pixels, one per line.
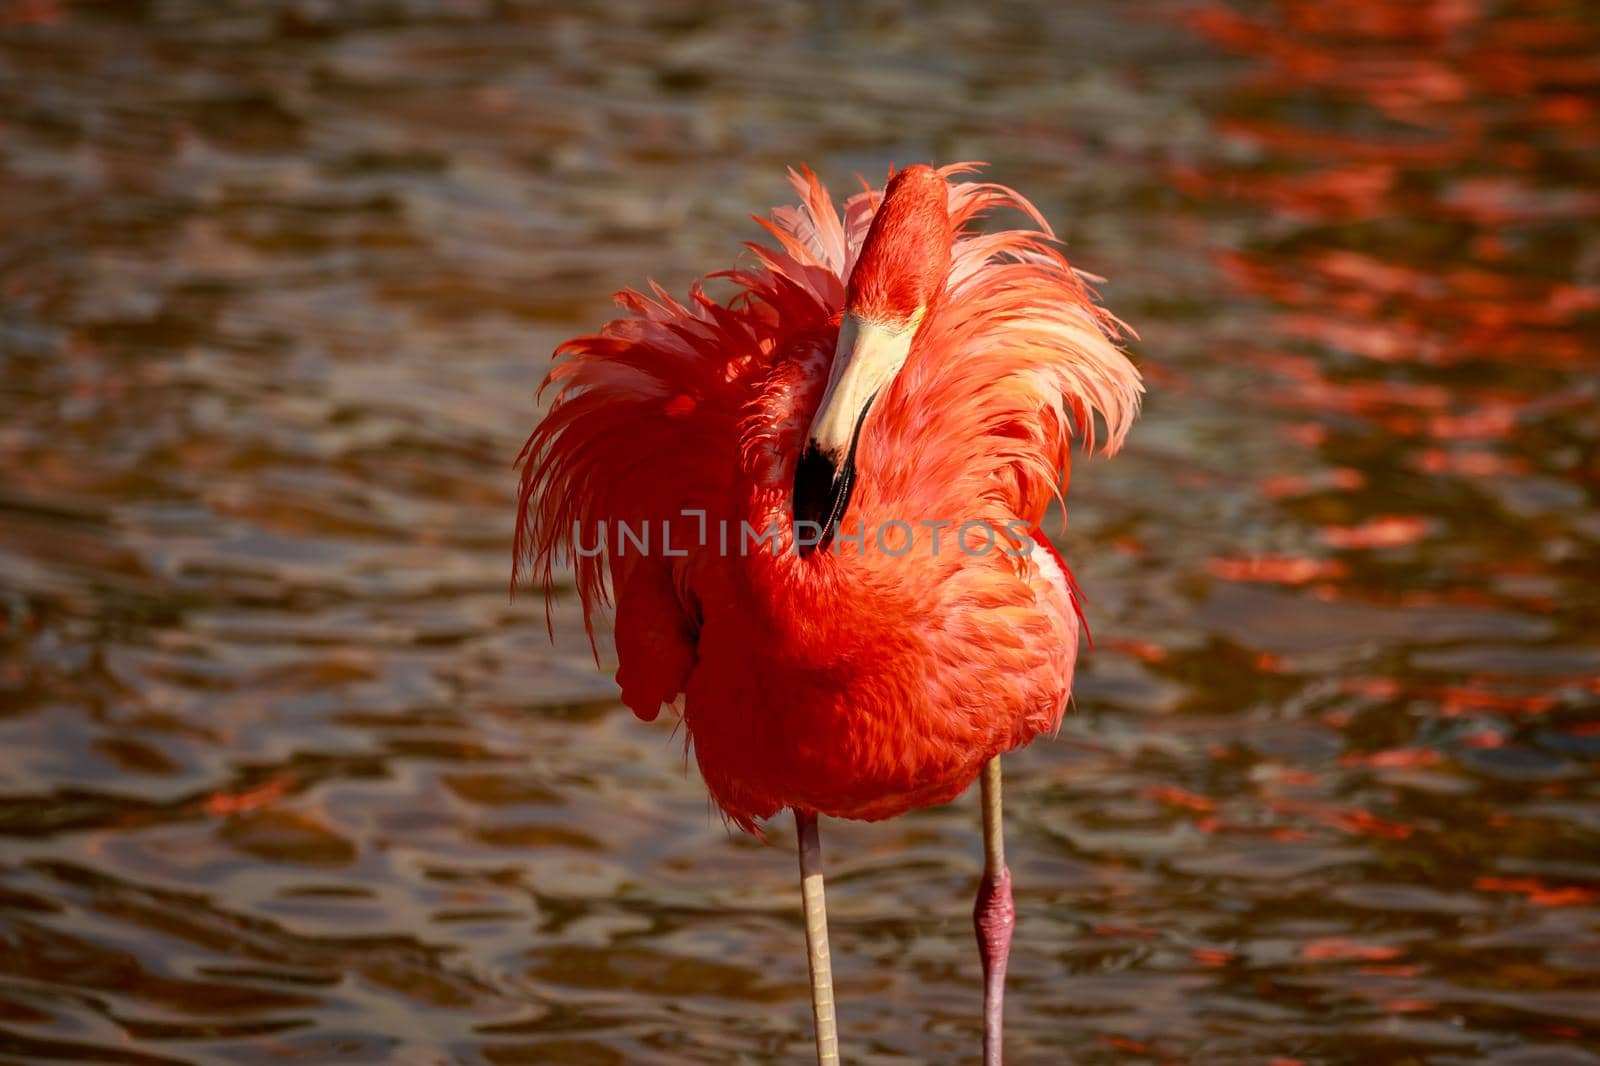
[
  {"x": 1424, "y": 165},
  {"x": 1538, "y": 892},
  {"x": 1393, "y": 758},
  {"x": 1385, "y": 531},
  {"x": 1138, "y": 1047},
  {"x": 1212, "y": 958},
  {"x": 32, "y": 13},
  {"x": 1356, "y": 821},
  {"x": 1338, "y": 479},
  {"x": 1119, "y": 932},
  {"x": 1276, "y": 569},
  {"x": 1476, "y": 464},
  {"x": 1144, "y": 650},
  {"x": 1341, "y": 948},
  {"x": 1453, "y": 700},
  {"x": 1264, "y": 832},
  {"x": 222, "y": 803},
  {"x": 1174, "y": 796},
  {"x": 1457, "y": 700}
]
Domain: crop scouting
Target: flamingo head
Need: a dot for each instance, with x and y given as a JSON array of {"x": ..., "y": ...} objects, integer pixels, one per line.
[{"x": 899, "y": 274}]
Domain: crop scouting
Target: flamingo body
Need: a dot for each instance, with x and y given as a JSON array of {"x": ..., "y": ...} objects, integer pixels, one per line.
[{"x": 881, "y": 672}]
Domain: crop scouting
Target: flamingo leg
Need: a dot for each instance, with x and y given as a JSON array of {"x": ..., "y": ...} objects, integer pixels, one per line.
[
  {"x": 816, "y": 910},
  {"x": 994, "y": 915}
]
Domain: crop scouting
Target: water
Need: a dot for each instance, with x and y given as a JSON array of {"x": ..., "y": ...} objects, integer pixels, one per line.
[{"x": 287, "y": 779}]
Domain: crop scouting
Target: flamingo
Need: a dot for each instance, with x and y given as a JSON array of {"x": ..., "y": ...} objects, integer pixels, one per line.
[{"x": 815, "y": 507}]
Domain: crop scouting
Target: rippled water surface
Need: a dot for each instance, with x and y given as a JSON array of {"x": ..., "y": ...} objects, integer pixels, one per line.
[{"x": 285, "y": 778}]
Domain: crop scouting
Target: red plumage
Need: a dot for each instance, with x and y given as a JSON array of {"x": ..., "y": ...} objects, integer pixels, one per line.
[
  {"x": 861, "y": 680},
  {"x": 905, "y": 256}
]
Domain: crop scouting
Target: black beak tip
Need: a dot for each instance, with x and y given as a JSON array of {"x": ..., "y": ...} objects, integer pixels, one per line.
[
  {"x": 815, "y": 495},
  {"x": 822, "y": 489}
]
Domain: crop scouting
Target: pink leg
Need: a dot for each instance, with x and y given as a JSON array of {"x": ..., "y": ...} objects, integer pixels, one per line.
[
  {"x": 816, "y": 909},
  {"x": 994, "y": 915}
]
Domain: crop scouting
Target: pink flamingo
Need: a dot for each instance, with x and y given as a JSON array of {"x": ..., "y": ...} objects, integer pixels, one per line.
[{"x": 816, "y": 507}]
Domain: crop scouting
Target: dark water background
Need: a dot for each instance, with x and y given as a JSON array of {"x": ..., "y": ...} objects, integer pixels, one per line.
[{"x": 284, "y": 778}]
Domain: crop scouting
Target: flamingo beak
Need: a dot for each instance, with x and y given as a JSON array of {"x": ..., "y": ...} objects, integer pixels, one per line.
[{"x": 868, "y": 357}]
